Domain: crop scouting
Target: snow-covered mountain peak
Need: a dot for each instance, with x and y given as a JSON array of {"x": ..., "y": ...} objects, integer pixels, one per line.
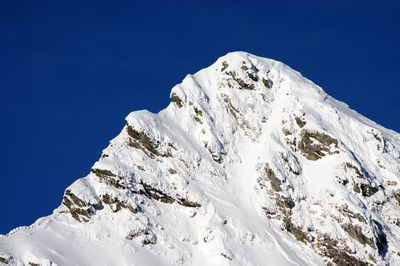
[{"x": 250, "y": 160}]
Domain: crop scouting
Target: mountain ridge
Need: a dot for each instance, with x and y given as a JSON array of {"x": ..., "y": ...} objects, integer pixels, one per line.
[{"x": 235, "y": 162}]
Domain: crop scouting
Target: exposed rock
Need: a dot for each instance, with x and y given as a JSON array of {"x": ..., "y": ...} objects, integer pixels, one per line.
[
  {"x": 368, "y": 190},
  {"x": 242, "y": 85},
  {"x": 286, "y": 131},
  {"x": 197, "y": 120},
  {"x": 300, "y": 122},
  {"x": 78, "y": 209},
  {"x": 224, "y": 66},
  {"x": 4, "y": 260},
  {"x": 289, "y": 166},
  {"x": 271, "y": 177},
  {"x": 328, "y": 247},
  {"x": 159, "y": 195},
  {"x": 226, "y": 256},
  {"x": 146, "y": 235},
  {"x": 358, "y": 172},
  {"x": 266, "y": 83},
  {"x": 355, "y": 231},
  {"x": 296, "y": 231},
  {"x": 376, "y": 136},
  {"x": 176, "y": 100},
  {"x": 103, "y": 173},
  {"x": 188, "y": 203},
  {"x": 314, "y": 145},
  {"x": 252, "y": 77},
  {"x": 141, "y": 141},
  {"x": 244, "y": 67},
  {"x": 197, "y": 111},
  {"x": 344, "y": 209},
  {"x": 216, "y": 157},
  {"x": 172, "y": 171},
  {"x": 107, "y": 177},
  {"x": 356, "y": 187},
  {"x": 115, "y": 204},
  {"x": 396, "y": 196},
  {"x": 156, "y": 194}
]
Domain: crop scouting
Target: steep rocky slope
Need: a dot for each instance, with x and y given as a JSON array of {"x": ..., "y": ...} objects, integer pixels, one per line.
[{"x": 250, "y": 164}]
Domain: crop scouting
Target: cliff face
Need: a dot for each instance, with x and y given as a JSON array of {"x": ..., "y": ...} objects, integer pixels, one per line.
[{"x": 249, "y": 161}]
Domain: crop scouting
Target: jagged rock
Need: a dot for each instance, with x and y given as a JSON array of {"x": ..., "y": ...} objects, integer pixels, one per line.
[{"x": 314, "y": 145}]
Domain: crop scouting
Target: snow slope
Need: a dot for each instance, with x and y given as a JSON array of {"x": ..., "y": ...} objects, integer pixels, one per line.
[{"x": 250, "y": 164}]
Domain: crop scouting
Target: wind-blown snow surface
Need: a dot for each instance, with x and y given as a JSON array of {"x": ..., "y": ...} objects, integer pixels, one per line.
[{"x": 250, "y": 164}]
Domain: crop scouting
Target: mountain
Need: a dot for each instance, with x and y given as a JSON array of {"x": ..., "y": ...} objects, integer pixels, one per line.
[{"x": 250, "y": 164}]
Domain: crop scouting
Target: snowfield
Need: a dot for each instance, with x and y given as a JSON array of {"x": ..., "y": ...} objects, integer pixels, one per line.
[{"x": 250, "y": 164}]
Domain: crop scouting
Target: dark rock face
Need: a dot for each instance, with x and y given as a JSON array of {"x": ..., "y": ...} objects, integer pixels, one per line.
[
  {"x": 79, "y": 209},
  {"x": 314, "y": 151},
  {"x": 176, "y": 100}
]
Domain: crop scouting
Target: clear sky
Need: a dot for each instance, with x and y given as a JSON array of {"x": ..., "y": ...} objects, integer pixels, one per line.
[{"x": 71, "y": 71}]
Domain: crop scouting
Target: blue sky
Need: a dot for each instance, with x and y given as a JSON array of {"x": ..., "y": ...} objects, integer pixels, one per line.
[{"x": 70, "y": 73}]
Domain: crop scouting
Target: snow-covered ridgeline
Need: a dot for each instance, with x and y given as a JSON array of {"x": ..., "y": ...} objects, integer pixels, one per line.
[{"x": 249, "y": 161}]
